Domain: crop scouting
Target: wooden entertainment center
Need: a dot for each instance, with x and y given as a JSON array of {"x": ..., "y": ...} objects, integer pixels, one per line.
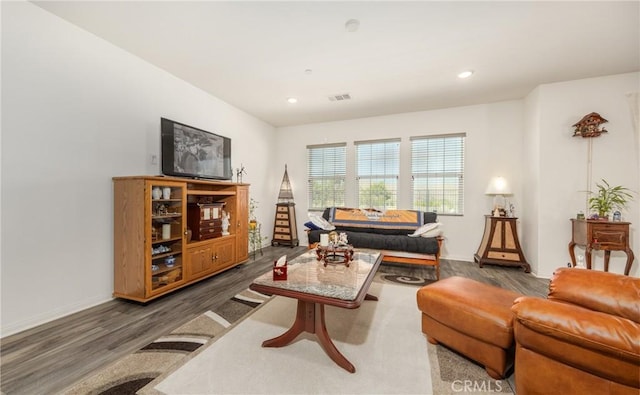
[{"x": 154, "y": 253}]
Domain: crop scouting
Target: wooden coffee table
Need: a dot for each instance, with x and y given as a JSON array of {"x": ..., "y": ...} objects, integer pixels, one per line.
[{"x": 315, "y": 285}]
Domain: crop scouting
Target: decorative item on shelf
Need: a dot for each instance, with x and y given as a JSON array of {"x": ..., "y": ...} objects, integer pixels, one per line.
[
  {"x": 498, "y": 187},
  {"x": 280, "y": 269},
  {"x": 580, "y": 215},
  {"x": 166, "y": 193},
  {"x": 173, "y": 210},
  {"x": 617, "y": 216},
  {"x": 170, "y": 261},
  {"x": 166, "y": 231},
  {"x": 161, "y": 209},
  {"x": 161, "y": 249},
  {"x": 589, "y": 126},
  {"x": 609, "y": 198},
  {"x": 189, "y": 234},
  {"x": 239, "y": 173},
  {"x": 156, "y": 193},
  {"x": 226, "y": 217}
]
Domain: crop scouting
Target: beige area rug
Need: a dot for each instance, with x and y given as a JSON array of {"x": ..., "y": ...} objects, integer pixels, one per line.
[{"x": 382, "y": 339}]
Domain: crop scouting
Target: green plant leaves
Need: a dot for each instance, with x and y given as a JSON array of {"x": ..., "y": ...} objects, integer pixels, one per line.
[{"x": 609, "y": 198}]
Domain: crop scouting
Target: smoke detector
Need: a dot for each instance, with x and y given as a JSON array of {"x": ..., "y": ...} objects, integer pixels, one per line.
[{"x": 352, "y": 25}]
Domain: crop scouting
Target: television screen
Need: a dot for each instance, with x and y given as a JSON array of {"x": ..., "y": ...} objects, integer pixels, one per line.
[{"x": 193, "y": 152}]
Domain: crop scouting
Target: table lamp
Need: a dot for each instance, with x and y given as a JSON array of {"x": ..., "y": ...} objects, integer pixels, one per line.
[{"x": 498, "y": 187}]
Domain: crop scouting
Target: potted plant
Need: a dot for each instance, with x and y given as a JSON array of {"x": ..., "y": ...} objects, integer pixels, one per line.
[
  {"x": 609, "y": 198},
  {"x": 253, "y": 205}
]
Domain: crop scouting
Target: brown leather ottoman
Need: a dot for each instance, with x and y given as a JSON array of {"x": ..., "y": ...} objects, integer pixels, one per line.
[{"x": 472, "y": 318}]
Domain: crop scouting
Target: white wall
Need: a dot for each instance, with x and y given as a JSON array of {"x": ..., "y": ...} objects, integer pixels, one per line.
[
  {"x": 531, "y": 190},
  {"x": 493, "y": 147},
  {"x": 560, "y": 161},
  {"x": 527, "y": 141},
  {"x": 76, "y": 112}
]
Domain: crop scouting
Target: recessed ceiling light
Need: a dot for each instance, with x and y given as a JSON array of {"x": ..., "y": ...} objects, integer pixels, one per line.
[
  {"x": 352, "y": 25},
  {"x": 308, "y": 71},
  {"x": 292, "y": 100},
  {"x": 465, "y": 74}
]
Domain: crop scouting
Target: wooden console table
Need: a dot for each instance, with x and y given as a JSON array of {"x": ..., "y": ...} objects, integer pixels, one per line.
[
  {"x": 600, "y": 235},
  {"x": 500, "y": 244}
]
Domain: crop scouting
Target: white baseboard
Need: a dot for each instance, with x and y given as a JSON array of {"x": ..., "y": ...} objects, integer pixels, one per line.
[{"x": 40, "y": 319}]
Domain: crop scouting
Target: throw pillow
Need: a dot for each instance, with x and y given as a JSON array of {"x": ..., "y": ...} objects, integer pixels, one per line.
[
  {"x": 310, "y": 225},
  {"x": 321, "y": 222},
  {"x": 433, "y": 232},
  {"x": 424, "y": 229}
]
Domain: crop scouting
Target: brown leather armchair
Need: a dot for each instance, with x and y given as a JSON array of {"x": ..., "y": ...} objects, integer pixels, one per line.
[{"x": 583, "y": 339}]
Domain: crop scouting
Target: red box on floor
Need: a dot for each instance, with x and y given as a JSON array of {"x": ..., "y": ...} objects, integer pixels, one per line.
[{"x": 279, "y": 272}]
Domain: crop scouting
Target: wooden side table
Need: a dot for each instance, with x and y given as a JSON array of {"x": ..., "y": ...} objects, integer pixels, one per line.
[
  {"x": 600, "y": 235},
  {"x": 500, "y": 244}
]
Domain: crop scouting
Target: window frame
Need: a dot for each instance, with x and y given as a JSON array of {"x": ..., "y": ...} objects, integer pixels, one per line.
[
  {"x": 337, "y": 173},
  {"x": 454, "y": 158},
  {"x": 385, "y": 177}
]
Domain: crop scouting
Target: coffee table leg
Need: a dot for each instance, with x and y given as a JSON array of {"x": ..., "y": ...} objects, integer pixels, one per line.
[
  {"x": 326, "y": 343},
  {"x": 299, "y": 326},
  {"x": 310, "y": 318}
]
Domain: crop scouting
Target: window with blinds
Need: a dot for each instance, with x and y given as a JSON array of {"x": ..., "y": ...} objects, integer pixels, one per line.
[
  {"x": 437, "y": 173},
  {"x": 377, "y": 170},
  {"x": 327, "y": 169}
]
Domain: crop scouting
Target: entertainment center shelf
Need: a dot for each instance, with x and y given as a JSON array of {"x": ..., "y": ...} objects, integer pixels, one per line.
[
  {"x": 211, "y": 193},
  {"x": 154, "y": 219}
]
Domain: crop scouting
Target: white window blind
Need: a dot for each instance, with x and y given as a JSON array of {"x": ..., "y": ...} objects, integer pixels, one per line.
[
  {"x": 437, "y": 173},
  {"x": 378, "y": 168},
  {"x": 326, "y": 165}
]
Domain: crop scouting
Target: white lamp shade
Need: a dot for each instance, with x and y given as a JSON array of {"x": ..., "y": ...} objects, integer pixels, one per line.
[{"x": 498, "y": 186}]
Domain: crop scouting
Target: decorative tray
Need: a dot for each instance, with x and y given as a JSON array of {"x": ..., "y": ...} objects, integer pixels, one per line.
[{"x": 340, "y": 254}]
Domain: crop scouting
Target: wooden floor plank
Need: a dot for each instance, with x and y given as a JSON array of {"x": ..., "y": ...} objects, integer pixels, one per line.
[{"x": 48, "y": 358}]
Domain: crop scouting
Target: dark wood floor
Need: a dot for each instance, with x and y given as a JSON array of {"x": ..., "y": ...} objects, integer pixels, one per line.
[{"x": 53, "y": 356}]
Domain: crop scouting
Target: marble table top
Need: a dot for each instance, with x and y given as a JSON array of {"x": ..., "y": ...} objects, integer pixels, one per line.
[{"x": 307, "y": 274}]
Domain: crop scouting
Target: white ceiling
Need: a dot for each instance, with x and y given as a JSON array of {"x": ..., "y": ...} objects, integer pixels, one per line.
[{"x": 404, "y": 57}]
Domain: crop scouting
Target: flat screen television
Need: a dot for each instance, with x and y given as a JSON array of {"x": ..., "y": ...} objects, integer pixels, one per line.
[{"x": 195, "y": 153}]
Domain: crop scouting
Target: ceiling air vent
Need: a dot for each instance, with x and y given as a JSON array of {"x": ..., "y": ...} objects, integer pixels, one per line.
[{"x": 344, "y": 96}]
